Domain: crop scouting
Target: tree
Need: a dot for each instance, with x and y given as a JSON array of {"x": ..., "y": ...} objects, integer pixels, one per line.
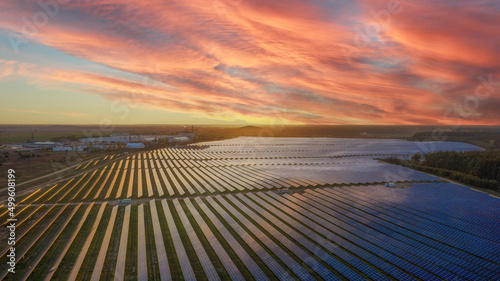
[{"x": 416, "y": 158}]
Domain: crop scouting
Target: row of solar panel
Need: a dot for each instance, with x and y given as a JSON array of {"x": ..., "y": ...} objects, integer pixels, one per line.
[
  {"x": 415, "y": 238},
  {"x": 434, "y": 227}
]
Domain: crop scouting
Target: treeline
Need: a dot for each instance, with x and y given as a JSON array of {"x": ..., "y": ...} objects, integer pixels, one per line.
[
  {"x": 476, "y": 168},
  {"x": 308, "y": 131},
  {"x": 483, "y": 164},
  {"x": 460, "y": 177}
]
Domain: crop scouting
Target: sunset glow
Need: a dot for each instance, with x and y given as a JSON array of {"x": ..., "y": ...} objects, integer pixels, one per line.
[{"x": 242, "y": 61}]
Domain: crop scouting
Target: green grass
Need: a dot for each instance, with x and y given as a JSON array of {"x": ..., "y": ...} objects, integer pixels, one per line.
[
  {"x": 125, "y": 185},
  {"x": 87, "y": 183},
  {"x": 130, "y": 272},
  {"x": 26, "y": 261},
  {"x": 21, "y": 213},
  {"x": 153, "y": 269},
  {"x": 108, "y": 270},
  {"x": 173, "y": 261},
  {"x": 80, "y": 180},
  {"x": 53, "y": 253},
  {"x": 297, "y": 259},
  {"x": 234, "y": 257},
  {"x": 143, "y": 183},
  {"x": 134, "y": 182},
  {"x": 94, "y": 248},
  {"x": 37, "y": 198},
  {"x": 285, "y": 234},
  {"x": 210, "y": 252},
  {"x": 22, "y": 226},
  {"x": 114, "y": 188},
  {"x": 28, "y": 237},
  {"x": 92, "y": 193},
  {"x": 245, "y": 246},
  {"x": 276, "y": 258},
  {"x": 286, "y": 222},
  {"x": 193, "y": 258},
  {"x": 196, "y": 193}
]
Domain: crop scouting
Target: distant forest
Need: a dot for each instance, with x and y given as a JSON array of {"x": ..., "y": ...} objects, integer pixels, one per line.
[
  {"x": 476, "y": 168},
  {"x": 487, "y": 137}
]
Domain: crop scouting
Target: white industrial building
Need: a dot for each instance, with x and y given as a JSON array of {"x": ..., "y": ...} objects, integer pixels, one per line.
[
  {"x": 187, "y": 135},
  {"x": 132, "y": 139},
  {"x": 68, "y": 148},
  {"x": 178, "y": 139},
  {"x": 40, "y": 144}
]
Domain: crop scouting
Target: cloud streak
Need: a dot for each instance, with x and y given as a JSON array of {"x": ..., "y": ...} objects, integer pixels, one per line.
[
  {"x": 67, "y": 114},
  {"x": 256, "y": 60}
]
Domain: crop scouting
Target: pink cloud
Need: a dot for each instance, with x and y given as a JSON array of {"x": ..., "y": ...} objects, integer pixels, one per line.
[{"x": 247, "y": 59}]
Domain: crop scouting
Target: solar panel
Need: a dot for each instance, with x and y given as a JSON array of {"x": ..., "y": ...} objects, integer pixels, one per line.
[
  {"x": 292, "y": 246},
  {"x": 149, "y": 185},
  {"x": 279, "y": 271},
  {"x": 223, "y": 179},
  {"x": 417, "y": 226},
  {"x": 187, "y": 270},
  {"x": 99, "y": 264},
  {"x": 142, "y": 268},
  {"x": 175, "y": 183},
  {"x": 383, "y": 248},
  {"x": 161, "y": 254},
  {"x": 259, "y": 180},
  {"x": 170, "y": 190},
  {"x": 204, "y": 174},
  {"x": 159, "y": 188},
  {"x": 249, "y": 181},
  {"x": 256, "y": 271},
  {"x": 411, "y": 238},
  {"x": 228, "y": 264},
  {"x": 205, "y": 261},
  {"x": 356, "y": 263},
  {"x": 184, "y": 182},
  {"x": 282, "y": 255},
  {"x": 192, "y": 182},
  {"x": 122, "y": 249}
]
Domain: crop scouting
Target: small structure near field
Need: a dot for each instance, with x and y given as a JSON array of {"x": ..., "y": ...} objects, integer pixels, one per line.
[
  {"x": 390, "y": 184},
  {"x": 125, "y": 201},
  {"x": 135, "y": 145}
]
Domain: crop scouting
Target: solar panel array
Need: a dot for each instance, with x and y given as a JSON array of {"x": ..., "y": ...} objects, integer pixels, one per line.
[
  {"x": 353, "y": 232},
  {"x": 235, "y": 165},
  {"x": 223, "y": 219}
]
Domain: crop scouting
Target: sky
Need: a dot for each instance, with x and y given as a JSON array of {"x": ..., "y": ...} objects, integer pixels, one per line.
[{"x": 250, "y": 62}]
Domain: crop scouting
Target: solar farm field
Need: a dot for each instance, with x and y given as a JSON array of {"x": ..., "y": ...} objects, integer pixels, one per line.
[{"x": 213, "y": 212}]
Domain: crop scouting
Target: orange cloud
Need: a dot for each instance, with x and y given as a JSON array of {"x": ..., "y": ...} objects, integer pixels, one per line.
[{"x": 299, "y": 61}]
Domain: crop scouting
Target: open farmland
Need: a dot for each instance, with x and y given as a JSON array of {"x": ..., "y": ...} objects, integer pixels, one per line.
[{"x": 212, "y": 211}]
